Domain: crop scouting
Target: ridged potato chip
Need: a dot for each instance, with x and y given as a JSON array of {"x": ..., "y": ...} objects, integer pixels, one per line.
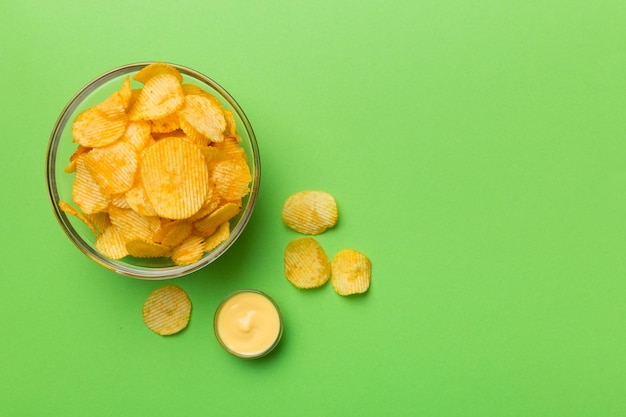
[
  {"x": 231, "y": 178},
  {"x": 137, "y": 135},
  {"x": 167, "y": 310},
  {"x": 112, "y": 243},
  {"x": 161, "y": 96},
  {"x": 306, "y": 263},
  {"x": 204, "y": 116},
  {"x": 350, "y": 272},
  {"x": 310, "y": 212},
  {"x": 219, "y": 236},
  {"x": 126, "y": 93},
  {"x": 133, "y": 225},
  {"x": 146, "y": 249},
  {"x": 86, "y": 192},
  {"x": 231, "y": 124},
  {"x": 73, "y": 212},
  {"x": 157, "y": 68},
  {"x": 138, "y": 200},
  {"x": 173, "y": 233},
  {"x": 113, "y": 167},
  {"x": 189, "y": 251},
  {"x": 101, "y": 125},
  {"x": 165, "y": 124},
  {"x": 209, "y": 224},
  {"x": 176, "y": 177}
]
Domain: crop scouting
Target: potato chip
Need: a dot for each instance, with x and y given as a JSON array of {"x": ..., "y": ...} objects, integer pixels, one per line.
[
  {"x": 204, "y": 116},
  {"x": 119, "y": 200},
  {"x": 157, "y": 68},
  {"x": 138, "y": 200},
  {"x": 173, "y": 233},
  {"x": 231, "y": 178},
  {"x": 176, "y": 178},
  {"x": 137, "y": 135},
  {"x": 189, "y": 251},
  {"x": 100, "y": 125},
  {"x": 86, "y": 192},
  {"x": 231, "y": 124},
  {"x": 125, "y": 93},
  {"x": 219, "y": 236},
  {"x": 351, "y": 272},
  {"x": 80, "y": 150},
  {"x": 99, "y": 220},
  {"x": 165, "y": 124},
  {"x": 192, "y": 134},
  {"x": 146, "y": 249},
  {"x": 310, "y": 212},
  {"x": 306, "y": 264},
  {"x": 161, "y": 96},
  {"x": 113, "y": 167},
  {"x": 194, "y": 90},
  {"x": 231, "y": 148},
  {"x": 133, "y": 225},
  {"x": 167, "y": 310},
  {"x": 112, "y": 243},
  {"x": 65, "y": 207},
  {"x": 209, "y": 224}
]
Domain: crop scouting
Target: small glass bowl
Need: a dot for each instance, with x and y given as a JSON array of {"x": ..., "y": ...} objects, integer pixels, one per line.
[
  {"x": 240, "y": 331},
  {"x": 59, "y": 183}
]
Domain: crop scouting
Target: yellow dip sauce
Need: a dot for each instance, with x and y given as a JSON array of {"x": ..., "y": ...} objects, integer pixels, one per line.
[{"x": 248, "y": 324}]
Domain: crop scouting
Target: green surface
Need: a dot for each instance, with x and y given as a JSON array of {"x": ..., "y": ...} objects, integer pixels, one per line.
[{"x": 477, "y": 153}]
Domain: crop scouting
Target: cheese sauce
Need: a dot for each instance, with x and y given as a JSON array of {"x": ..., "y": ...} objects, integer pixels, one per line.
[{"x": 248, "y": 324}]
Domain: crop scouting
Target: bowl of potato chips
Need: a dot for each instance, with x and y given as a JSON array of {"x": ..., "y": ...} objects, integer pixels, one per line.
[{"x": 153, "y": 170}]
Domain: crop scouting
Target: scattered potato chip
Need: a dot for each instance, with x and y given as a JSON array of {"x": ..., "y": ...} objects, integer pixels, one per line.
[
  {"x": 161, "y": 96},
  {"x": 310, "y": 212},
  {"x": 167, "y": 310},
  {"x": 176, "y": 178},
  {"x": 306, "y": 263},
  {"x": 158, "y": 170},
  {"x": 350, "y": 272}
]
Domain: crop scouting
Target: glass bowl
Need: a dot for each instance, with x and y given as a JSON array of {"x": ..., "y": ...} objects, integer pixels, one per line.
[{"x": 59, "y": 183}]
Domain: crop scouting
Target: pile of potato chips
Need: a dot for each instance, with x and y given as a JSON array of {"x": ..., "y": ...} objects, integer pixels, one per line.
[
  {"x": 306, "y": 263},
  {"x": 159, "y": 170}
]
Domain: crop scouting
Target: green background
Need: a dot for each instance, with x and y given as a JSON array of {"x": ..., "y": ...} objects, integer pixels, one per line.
[{"x": 477, "y": 154}]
